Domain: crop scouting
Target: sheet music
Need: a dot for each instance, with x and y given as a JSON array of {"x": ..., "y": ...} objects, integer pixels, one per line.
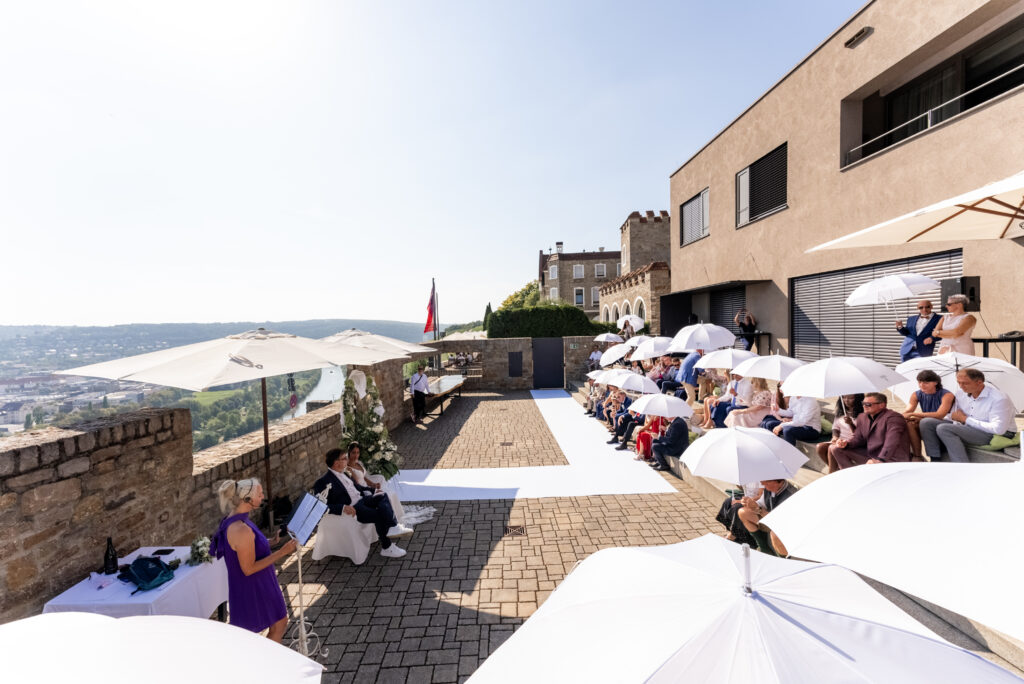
[{"x": 306, "y": 518}]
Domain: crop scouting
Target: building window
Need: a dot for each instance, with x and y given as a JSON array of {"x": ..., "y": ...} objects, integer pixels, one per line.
[
  {"x": 640, "y": 309},
  {"x": 625, "y": 309},
  {"x": 605, "y": 315},
  {"x": 599, "y": 271},
  {"x": 618, "y": 269},
  {"x": 595, "y": 296},
  {"x": 761, "y": 187},
  {"x": 615, "y": 313},
  {"x": 553, "y": 294},
  {"x": 577, "y": 271},
  {"x": 578, "y": 296},
  {"x": 553, "y": 272},
  {"x": 695, "y": 222}
]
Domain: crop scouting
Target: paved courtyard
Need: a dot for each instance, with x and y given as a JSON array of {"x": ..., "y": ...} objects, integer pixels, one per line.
[{"x": 466, "y": 585}]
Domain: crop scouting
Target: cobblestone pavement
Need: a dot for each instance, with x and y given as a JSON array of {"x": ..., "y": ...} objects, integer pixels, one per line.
[{"x": 480, "y": 430}]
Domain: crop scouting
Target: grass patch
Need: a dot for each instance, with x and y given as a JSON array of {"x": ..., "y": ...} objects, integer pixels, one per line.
[{"x": 208, "y": 398}]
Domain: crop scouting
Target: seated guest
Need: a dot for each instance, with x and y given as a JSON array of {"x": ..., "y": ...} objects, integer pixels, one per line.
[
  {"x": 254, "y": 596},
  {"x": 656, "y": 371},
  {"x": 361, "y": 477},
  {"x": 622, "y": 413},
  {"x": 737, "y": 394},
  {"x": 624, "y": 430},
  {"x": 802, "y": 420},
  {"x": 671, "y": 380},
  {"x": 345, "y": 497},
  {"x": 880, "y": 436},
  {"x": 759, "y": 406},
  {"x": 918, "y": 333},
  {"x": 848, "y": 407},
  {"x": 980, "y": 413},
  {"x": 672, "y": 443},
  {"x": 612, "y": 408},
  {"x": 597, "y": 394},
  {"x": 594, "y": 360},
  {"x": 652, "y": 428},
  {"x": 932, "y": 400},
  {"x": 742, "y": 516},
  {"x": 606, "y": 404}
]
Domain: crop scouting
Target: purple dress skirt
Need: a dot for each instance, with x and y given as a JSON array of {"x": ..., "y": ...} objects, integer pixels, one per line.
[{"x": 255, "y": 601}]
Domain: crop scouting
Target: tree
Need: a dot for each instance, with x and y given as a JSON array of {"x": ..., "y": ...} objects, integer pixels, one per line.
[
  {"x": 487, "y": 315},
  {"x": 528, "y": 295},
  {"x": 106, "y": 402},
  {"x": 28, "y": 421}
]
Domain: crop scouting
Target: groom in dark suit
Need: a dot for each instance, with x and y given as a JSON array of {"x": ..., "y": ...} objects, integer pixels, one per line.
[
  {"x": 347, "y": 497},
  {"x": 918, "y": 339},
  {"x": 672, "y": 443}
]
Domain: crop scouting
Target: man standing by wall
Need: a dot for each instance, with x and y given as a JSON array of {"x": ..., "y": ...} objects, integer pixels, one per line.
[
  {"x": 420, "y": 388},
  {"x": 918, "y": 339}
]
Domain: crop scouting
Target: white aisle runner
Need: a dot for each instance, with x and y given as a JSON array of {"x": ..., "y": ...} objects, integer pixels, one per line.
[{"x": 594, "y": 467}]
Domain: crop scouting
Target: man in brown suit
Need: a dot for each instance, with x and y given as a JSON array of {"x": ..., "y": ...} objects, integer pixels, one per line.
[{"x": 880, "y": 436}]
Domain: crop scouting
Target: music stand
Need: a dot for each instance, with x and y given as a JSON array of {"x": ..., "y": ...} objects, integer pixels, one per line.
[{"x": 300, "y": 528}]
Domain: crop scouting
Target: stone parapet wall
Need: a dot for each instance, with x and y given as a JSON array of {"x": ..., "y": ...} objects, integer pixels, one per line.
[
  {"x": 648, "y": 284},
  {"x": 494, "y": 360},
  {"x": 575, "y": 351}
]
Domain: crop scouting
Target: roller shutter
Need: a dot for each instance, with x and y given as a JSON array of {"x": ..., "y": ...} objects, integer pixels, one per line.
[{"x": 725, "y": 304}]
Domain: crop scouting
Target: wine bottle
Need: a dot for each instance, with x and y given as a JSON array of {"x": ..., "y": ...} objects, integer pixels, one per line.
[{"x": 110, "y": 559}]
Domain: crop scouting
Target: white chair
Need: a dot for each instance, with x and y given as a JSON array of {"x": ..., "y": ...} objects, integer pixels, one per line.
[{"x": 343, "y": 535}]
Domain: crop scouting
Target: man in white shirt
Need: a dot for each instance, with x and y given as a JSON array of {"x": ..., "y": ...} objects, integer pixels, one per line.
[
  {"x": 594, "y": 360},
  {"x": 918, "y": 337},
  {"x": 802, "y": 420},
  {"x": 420, "y": 388},
  {"x": 980, "y": 412}
]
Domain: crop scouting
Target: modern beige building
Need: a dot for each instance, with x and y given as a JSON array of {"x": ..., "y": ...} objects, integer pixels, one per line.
[
  {"x": 907, "y": 104},
  {"x": 645, "y": 240},
  {"x": 576, "y": 277}
]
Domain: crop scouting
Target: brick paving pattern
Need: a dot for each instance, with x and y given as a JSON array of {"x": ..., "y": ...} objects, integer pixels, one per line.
[{"x": 480, "y": 430}]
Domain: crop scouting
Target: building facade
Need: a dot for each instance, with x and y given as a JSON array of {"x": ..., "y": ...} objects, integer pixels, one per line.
[
  {"x": 576, "y": 277},
  {"x": 645, "y": 248},
  {"x": 897, "y": 110}
]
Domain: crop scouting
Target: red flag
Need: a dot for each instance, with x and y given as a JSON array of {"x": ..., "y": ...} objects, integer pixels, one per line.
[{"x": 431, "y": 325}]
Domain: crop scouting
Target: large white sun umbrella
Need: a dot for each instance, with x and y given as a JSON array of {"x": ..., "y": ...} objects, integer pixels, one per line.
[
  {"x": 724, "y": 358},
  {"x": 990, "y": 212},
  {"x": 383, "y": 343},
  {"x": 838, "y": 376},
  {"x": 868, "y": 519},
  {"x": 612, "y": 376},
  {"x": 639, "y": 383},
  {"x": 888, "y": 288},
  {"x": 94, "y": 648},
  {"x": 608, "y": 337},
  {"x": 635, "y": 340},
  {"x": 662, "y": 405},
  {"x": 708, "y": 610},
  {"x": 614, "y": 353},
  {"x": 774, "y": 367},
  {"x": 253, "y": 355},
  {"x": 651, "y": 348},
  {"x": 634, "y": 321},
  {"x": 743, "y": 455},
  {"x": 706, "y": 336},
  {"x": 1005, "y": 377}
]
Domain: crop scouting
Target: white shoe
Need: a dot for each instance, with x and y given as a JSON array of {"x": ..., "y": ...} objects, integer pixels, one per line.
[
  {"x": 393, "y": 551},
  {"x": 399, "y": 530}
]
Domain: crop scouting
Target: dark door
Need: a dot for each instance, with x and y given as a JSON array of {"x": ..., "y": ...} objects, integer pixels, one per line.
[{"x": 548, "y": 363}]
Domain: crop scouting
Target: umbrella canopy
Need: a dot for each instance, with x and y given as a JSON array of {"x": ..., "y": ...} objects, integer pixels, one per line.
[
  {"x": 612, "y": 376},
  {"x": 772, "y": 367},
  {"x": 608, "y": 337},
  {"x": 637, "y": 339},
  {"x": 651, "y": 348},
  {"x": 595, "y": 373},
  {"x": 725, "y": 358},
  {"x": 706, "y": 336},
  {"x": 887, "y": 288},
  {"x": 635, "y": 321},
  {"x": 992, "y": 211},
  {"x": 662, "y": 405},
  {"x": 965, "y": 562},
  {"x": 840, "y": 375},
  {"x": 360, "y": 338},
  {"x": 639, "y": 383},
  {"x": 707, "y": 610},
  {"x": 154, "y": 648},
  {"x": 1005, "y": 377},
  {"x": 743, "y": 455},
  {"x": 614, "y": 353}
]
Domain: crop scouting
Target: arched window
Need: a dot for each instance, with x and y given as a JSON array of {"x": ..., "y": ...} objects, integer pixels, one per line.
[
  {"x": 605, "y": 314},
  {"x": 615, "y": 312},
  {"x": 625, "y": 308},
  {"x": 640, "y": 309}
]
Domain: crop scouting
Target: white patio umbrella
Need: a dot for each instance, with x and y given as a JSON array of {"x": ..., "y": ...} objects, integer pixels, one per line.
[
  {"x": 839, "y": 375},
  {"x": 774, "y": 367},
  {"x": 635, "y": 321},
  {"x": 743, "y": 455},
  {"x": 639, "y": 383},
  {"x": 868, "y": 519},
  {"x": 725, "y": 358},
  {"x": 887, "y": 288},
  {"x": 662, "y": 405},
  {"x": 90, "y": 648},
  {"x": 361, "y": 338},
  {"x": 608, "y": 337},
  {"x": 991, "y": 212},
  {"x": 613, "y": 376},
  {"x": 707, "y": 610},
  {"x": 595, "y": 373},
  {"x": 1005, "y": 377},
  {"x": 635, "y": 340},
  {"x": 706, "y": 336},
  {"x": 652, "y": 348},
  {"x": 614, "y": 353}
]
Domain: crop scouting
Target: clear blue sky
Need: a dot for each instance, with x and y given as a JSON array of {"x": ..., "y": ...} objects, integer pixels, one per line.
[{"x": 217, "y": 161}]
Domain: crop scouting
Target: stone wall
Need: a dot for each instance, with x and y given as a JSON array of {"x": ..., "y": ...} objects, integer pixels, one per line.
[
  {"x": 645, "y": 238},
  {"x": 494, "y": 359},
  {"x": 646, "y": 284},
  {"x": 132, "y": 477},
  {"x": 575, "y": 351}
]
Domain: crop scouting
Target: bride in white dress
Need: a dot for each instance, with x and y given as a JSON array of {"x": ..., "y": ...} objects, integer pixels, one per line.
[{"x": 357, "y": 471}]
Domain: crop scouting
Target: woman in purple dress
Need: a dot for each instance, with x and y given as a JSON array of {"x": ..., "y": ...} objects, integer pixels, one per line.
[{"x": 254, "y": 596}]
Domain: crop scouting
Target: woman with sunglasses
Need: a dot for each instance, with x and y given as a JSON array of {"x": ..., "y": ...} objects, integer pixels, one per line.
[{"x": 955, "y": 328}]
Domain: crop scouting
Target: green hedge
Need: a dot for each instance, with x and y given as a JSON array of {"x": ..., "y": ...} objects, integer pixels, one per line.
[{"x": 548, "y": 320}]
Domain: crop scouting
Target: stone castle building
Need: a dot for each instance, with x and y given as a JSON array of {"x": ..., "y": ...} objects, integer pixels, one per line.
[
  {"x": 576, "y": 277},
  {"x": 645, "y": 249}
]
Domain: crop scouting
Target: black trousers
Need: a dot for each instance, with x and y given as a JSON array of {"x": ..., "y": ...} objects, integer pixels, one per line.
[
  {"x": 377, "y": 510},
  {"x": 419, "y": 404}
]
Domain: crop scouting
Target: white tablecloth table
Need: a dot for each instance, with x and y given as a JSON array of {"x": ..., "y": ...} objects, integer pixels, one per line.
[{"x": 195, "y": 591}]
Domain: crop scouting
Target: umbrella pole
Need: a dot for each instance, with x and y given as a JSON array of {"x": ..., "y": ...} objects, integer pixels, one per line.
[
  {"x": 266, "y": 453},
  {"x": 746, "y": 570}
]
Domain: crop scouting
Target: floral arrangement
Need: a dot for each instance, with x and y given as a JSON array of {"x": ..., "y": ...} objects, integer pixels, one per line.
[
  {"x": 364, "y": 423},
  {"x": 200, "y": 552}
]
